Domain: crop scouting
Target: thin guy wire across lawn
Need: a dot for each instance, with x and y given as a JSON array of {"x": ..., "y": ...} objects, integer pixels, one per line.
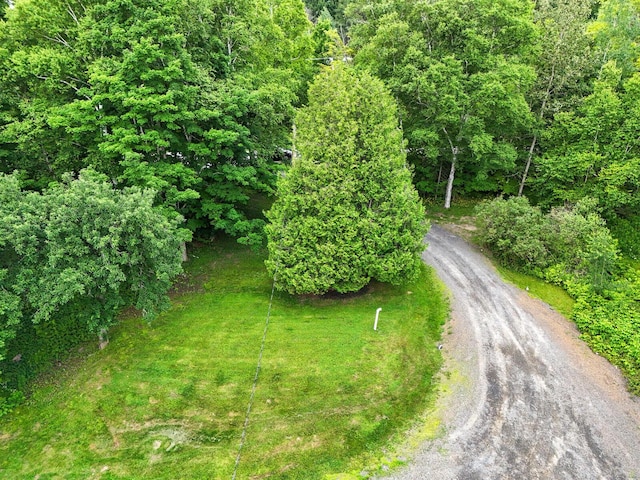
[{"x": 255, "y": 381}]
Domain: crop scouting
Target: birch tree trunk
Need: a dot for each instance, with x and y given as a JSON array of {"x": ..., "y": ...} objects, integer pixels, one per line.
[
  {"x": 454, "y": 161},
  {"x": 452, "y": 175},
  {"x": 183, "y": 250},
  {"x": 528, "y": 165}
]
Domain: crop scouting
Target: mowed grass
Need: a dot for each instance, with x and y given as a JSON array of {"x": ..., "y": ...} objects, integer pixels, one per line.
[
  {"x": 167, "y": 400},
  {"x": 553, "y": 295}
]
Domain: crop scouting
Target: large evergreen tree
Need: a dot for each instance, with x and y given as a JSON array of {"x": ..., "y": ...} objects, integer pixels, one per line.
[{"x": 346, "y": 212}]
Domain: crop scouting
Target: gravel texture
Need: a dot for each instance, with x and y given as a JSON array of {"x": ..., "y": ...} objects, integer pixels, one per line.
[{"x": 531, "y": 401}]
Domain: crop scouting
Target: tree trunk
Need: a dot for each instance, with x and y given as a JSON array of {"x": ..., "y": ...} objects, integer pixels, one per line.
[
  {"x": 454, "y": 160},
  {"x": 183, "y": 249},
  {"x": 103, "y": 338},
  {"x": 526, "y": 168},
  {"x": 541, "y": 113},
  {"x": 439, "y": 179},
  {"x": 452, "y": 175}
]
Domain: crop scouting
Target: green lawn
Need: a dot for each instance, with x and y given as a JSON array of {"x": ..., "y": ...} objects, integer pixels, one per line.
[
  {"x": 459, "y": 209},
  {"x": 553, "y": 295},
  {"x": 168, "y": 400}
]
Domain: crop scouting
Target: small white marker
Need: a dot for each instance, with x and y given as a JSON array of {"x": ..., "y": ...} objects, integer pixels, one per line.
[{"x": 375, "y": 324}]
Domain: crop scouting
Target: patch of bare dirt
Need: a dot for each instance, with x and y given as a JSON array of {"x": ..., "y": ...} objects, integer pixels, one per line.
[{"x": 465, "y": 227}]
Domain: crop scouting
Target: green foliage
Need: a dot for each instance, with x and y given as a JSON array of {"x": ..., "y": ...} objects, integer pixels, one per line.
[
  {"x": 330, "y": 12},
  {"x": 316, "y": 7},
  {"x": 75, "y": 255},
  {"x": 190, "y": 98},
  {"x": 627, "y": 232},
  {"x": 578, "y": 239},
  {"x": 564, "y": 59},
  {"x": 616, "y": 31},
  {"x": 37, "y": 348},
  {"x": 513, "y": 230},
  {"x": 564, "y": 63},
  {"x": 568, "y": 241},
  {"x": 611, "y": 325},
  {"x": 458, "y": 70},
  {"x": 346, "y": 211},
  {"x": 594, "y": 150}
]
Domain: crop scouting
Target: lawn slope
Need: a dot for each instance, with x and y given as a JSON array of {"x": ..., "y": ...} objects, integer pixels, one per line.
[{"x": 168, "y": 400}]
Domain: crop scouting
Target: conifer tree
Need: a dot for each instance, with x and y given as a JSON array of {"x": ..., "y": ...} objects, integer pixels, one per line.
[{"x": 346, "y": 211}]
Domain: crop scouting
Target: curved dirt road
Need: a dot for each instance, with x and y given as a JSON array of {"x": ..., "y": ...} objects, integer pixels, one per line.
[{"x": 527, "y": 399}]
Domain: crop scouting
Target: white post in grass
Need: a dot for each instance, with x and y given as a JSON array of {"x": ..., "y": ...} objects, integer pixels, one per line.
[{"x": 375, "y": 325}]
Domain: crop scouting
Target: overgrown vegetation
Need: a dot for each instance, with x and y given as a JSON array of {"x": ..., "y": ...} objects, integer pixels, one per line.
[
  {"x": 573, "y": 248},
  {"x": 168, "y": 399}
]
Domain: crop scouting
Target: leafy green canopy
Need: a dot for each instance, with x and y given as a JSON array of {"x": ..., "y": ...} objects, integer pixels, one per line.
[
  {"x": 346, "y": 211},
  {"x": 82, "y": 251},
  {"x": 594, "y": 150},
  {"x": 459, "y": 69},
  {"x": 188, "y": 97},
  {"x": 616, "y": 32},
  {"x": 564, "y": 62}
]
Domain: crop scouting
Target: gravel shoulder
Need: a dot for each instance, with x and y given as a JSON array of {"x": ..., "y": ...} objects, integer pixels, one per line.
[{"x": 526, "y": 398}]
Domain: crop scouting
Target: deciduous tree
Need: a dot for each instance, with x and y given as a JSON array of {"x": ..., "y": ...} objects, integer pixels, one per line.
[
  {"x": 594, "y": 150},
  {"x": 563, "y": 63},
  {"x": 191, "y": 98},
  {"x": 82, "y": 250},
  {"x": 459, "y": 69}
]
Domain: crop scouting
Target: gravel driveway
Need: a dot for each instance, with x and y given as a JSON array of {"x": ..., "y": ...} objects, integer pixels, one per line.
[{"x": 531, "y": 401}]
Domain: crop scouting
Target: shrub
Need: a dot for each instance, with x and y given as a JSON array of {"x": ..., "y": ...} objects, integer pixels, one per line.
[
  {"x": 512, "y": 229},
  {"x": 577, "y": 237}
]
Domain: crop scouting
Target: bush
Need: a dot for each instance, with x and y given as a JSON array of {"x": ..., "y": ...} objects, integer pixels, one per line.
[
  {"x": 512, "y": 230},
  {"x": 577, "y": 237},
  {"x": 572, "y": 239},
  {"x": 611, "y": 326}
]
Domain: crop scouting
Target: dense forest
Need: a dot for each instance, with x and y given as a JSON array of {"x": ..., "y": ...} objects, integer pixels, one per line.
[{"x": 129, "y": 127}]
